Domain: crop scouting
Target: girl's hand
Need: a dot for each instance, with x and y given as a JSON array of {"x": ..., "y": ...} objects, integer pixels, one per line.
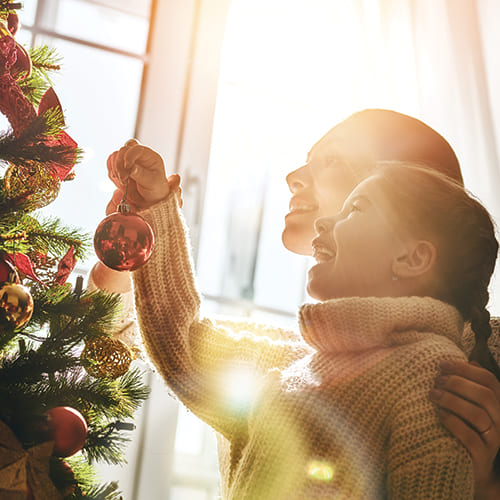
[
  {"x": 143, "y": 169},
  {"x": 468, "y": 397}
]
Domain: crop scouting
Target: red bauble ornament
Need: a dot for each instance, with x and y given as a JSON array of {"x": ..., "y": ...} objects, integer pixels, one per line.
[
  {"x": 7, "y": 271},
  {"x": 68, "y": 430},
  {"x": 123, "y": 241},
  {"x": 16, "y": 304}
]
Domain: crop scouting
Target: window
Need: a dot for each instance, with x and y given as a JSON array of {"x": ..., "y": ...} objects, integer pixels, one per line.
[
  {"x": 233, "y": 94},
  {"x": 103, "y": 48}
]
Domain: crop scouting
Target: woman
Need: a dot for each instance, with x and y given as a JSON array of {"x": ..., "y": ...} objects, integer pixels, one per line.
[
  {"x": 468, "y": 395},
  {"x": 346, "y": 413}
]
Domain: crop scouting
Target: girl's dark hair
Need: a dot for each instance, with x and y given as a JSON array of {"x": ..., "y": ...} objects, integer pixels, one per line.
[{"x": 432, "y": 206}]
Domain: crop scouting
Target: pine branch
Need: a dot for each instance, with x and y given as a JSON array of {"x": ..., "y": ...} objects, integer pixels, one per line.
[
  {"x": 105, "y": 444},
  {"x": 108, "y": 491},
  {"x": 31, "y": 145},
  {"x": 131, "y": 391},
  {"x": 45, "y": 60},
  {"x": 87, "y": 479},
  {"x": 34, "y": 87},
  {"x": 32, "y": 367},
  {"x": 7, "y": 6},
  {"x": 93, "y": 313},
  {"x": 49, "y": 235}
]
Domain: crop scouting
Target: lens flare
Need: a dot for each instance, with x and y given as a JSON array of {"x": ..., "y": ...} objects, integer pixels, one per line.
[
  {"x": 321, "y": 471},
  {"x": 241, "y": 387}
]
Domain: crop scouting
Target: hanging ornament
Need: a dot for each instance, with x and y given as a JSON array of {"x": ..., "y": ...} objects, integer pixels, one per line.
[
  {"x": 16, "y": 304},
  {"x": 106, "y": 357},
  {"x": 31, "y": 184},
  {"x": 7, "y": 270},
  {"x": 123, "y": 241},
  {"x": 68, "y": 430}
]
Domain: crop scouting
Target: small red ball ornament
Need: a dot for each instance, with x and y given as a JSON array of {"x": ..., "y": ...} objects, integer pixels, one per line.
[
  {"x": 123, "y": 241},
  {"x": 16, "y": 304},
  {"x": 7, "y": 271},
  {"x": 68, "y": 430}
]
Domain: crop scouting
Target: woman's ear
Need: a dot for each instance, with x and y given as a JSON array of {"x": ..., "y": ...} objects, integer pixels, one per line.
[{"x": 417, "y": 259}]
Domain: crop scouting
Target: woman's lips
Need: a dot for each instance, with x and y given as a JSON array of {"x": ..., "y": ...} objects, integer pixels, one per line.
[{"x": 298, "y": 205}]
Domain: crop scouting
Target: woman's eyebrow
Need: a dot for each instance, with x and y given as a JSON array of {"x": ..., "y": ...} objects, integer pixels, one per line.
[{"x": 360, "y": 197}]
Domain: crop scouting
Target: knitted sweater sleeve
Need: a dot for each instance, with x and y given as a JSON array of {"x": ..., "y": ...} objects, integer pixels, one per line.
[
  {"x": 213, "y": 368},
  {"x": 424, "y": 460}
]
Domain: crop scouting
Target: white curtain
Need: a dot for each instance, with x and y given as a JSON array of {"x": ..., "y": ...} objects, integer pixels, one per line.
[
  {"x": 272, "y": 76},
  {"x": 291, "y": 69}
]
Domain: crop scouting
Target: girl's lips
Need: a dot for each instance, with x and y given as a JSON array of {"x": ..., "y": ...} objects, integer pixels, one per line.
[{"x": 322, "y": 253}]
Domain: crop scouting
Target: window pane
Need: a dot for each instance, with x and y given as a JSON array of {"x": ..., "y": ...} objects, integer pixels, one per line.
[
  {"x": 27, "y": 13},
  {"x": 99, "y": 92},
  {"x": 116, "y": 28},
  {"x": 180, "y": 493}
]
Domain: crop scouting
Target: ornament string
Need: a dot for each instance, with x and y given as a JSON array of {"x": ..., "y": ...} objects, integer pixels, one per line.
[{"x": 123, "y": 206}]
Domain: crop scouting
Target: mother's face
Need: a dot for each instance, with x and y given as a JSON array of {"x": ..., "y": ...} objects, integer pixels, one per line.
[{"x": 335, "y": 165}]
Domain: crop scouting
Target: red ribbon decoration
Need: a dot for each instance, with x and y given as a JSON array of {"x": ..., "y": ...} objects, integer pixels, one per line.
[
  {"x": 24, "y": 264},
  {"x": 49, "y": 101},
  {"x": 13, "y": 103},
  {"x": 17, "y": 108},
  {"x": 66, "y": 265}
]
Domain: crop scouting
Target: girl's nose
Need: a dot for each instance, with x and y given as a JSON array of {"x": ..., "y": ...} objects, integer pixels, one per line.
[{"x": 324, "y": 224}]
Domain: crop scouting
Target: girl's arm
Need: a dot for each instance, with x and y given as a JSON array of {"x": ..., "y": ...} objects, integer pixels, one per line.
[
  {"x": 424, "y": 460},
  {"x": 213, "y": 369}
]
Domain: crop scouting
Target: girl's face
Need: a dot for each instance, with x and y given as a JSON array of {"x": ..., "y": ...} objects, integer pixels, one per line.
[{"x": 355, "y": 249}]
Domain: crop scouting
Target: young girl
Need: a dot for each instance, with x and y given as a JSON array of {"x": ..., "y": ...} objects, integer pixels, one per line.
[
  {"x": 469, "y": 395},
  {"x": 342, "y": 412}
]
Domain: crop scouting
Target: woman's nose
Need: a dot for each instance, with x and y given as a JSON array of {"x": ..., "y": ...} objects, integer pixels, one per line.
[
  {"x": 298, "y": 179},
  {"x": 324, "y": 224}
]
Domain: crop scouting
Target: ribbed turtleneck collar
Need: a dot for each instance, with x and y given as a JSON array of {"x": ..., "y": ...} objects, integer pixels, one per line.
[{"x": 360, "y": 323}]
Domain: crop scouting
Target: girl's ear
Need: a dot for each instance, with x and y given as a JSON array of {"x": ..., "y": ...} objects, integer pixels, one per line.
[{"x": 418, "y": 258}]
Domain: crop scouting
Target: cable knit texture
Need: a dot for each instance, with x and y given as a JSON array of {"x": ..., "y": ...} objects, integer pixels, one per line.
[{"x": 341, "y": 413}]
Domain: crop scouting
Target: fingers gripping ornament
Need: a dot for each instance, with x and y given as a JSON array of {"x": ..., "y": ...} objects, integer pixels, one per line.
[{"x": 123, "y": 241}]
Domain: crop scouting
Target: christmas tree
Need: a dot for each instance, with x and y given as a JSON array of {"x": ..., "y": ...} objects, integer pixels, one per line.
[{"x": 67, "y": 388}]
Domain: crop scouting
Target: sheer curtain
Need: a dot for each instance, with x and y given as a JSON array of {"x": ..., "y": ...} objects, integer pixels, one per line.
[{"x": 237, "y": 92}]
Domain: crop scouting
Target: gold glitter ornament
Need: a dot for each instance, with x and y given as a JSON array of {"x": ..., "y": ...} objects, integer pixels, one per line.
[
  {"x": 16, "y": 304},
  {"x": 32, "y": 183},
  {"x": 107, "y": 357}
]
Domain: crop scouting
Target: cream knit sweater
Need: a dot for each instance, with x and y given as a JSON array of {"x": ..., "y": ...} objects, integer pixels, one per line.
[{"x": 343, "y": 415}]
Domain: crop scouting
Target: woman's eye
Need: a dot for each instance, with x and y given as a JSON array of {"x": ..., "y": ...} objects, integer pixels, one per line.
[
  {"x": 334, "y": 161},
  {"x": 353, "y": 209}
]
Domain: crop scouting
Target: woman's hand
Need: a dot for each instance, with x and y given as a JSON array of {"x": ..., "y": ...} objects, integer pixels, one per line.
[{"x": 468, "y": 397}]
